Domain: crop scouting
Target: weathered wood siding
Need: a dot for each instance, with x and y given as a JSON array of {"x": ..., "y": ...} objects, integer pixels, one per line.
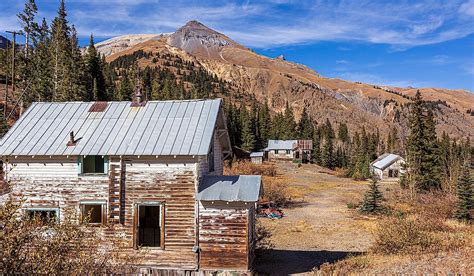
[
  {"x": 224, "y": 236},
  {"x": 218, "y": 160},
  {"x": 56, "y": 182},
  {"x": 281, "y": 155}
]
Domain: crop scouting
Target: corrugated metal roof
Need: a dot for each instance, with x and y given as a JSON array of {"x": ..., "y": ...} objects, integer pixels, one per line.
[
  {"x": 256, "y": 154},
  {"x": 158, "y": 128},
  {"x": 230, "y": 188},
  {"x": 281, "y": 144},
  {"x": 385, "y": 161}
]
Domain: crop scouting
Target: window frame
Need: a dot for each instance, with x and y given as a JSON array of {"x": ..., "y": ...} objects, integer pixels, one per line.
[
  {"x": 275, "y": 151},
  {"x": 136, "y": 237},
  {"x": 80, "y": 163},
  {"x": 103, "y": 209},
  {"x": 40, "y": 209},
  {"x": 288, "y": 151}
]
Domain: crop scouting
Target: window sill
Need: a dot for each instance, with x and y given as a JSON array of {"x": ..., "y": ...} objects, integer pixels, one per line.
[
  {"x": 93, "y": 174},
  {"x": 151, "y": 248}
]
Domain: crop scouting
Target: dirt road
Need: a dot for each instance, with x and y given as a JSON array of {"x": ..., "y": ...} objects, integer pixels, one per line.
[{"x": 319, "y": 227}]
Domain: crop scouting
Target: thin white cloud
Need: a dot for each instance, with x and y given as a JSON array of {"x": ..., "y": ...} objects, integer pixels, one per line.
[
  {"x": 467, "y": 8},
  {"x": 270, "y": 23},
  {"x": 378, "y": 80}
]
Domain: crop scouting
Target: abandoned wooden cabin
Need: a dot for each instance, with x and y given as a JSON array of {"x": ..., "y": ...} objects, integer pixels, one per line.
[
  {"x": 153, "y": 170},
  {"x": 257, "y": 157},
  {"x": 295, "y": 150},
  {"x": 388, "y": 166}
]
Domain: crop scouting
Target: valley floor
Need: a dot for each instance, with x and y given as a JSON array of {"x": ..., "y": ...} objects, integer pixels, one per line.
[{"x": 318, "y": 227}]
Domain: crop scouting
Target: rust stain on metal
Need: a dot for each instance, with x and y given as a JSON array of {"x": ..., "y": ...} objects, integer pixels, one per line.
[{"x": 98, "y": 107}]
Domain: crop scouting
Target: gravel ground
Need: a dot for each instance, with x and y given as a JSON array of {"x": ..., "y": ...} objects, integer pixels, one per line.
[{"x": 319, "y": 227}]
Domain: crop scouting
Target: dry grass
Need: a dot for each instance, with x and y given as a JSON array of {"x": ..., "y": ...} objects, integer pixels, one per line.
[
  {"x": 248, "y": 168},
  {"x": 419, "y": 232}
]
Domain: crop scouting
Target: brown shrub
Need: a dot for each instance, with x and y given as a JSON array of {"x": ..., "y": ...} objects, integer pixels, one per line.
[
  {"x": 34, "y": 246},
  {"x": 249, "y": 168},
  {"x": 263, "y": 242},
  {"x": 275, "y": 189},
  {"x": 402, "y": 236}
]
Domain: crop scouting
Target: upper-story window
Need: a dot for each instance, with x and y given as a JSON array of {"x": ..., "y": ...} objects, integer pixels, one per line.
[
  {"x": 210, "y": 157},
  {"x": 276, "y": 151},
  {"x": 288, "y": 151},
  {"x": 93, "y": 164}
]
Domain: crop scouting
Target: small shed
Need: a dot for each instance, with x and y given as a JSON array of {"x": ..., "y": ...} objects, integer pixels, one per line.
[
  {"x": 227, "y": 206},
  {"x": 388, "y": 166},
  {"x": 257, "y": 157}
]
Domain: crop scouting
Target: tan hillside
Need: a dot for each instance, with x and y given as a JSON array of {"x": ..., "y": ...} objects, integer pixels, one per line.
[{"x": 278, "y": 81}]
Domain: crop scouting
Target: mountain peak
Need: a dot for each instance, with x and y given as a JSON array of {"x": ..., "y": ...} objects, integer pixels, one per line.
[{"x": 195, "y": 37}]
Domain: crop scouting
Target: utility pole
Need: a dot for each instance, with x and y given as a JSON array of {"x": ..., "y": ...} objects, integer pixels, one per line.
[
  {"x": 6, "y": 83},
  {"x": 14, "y": 33}
]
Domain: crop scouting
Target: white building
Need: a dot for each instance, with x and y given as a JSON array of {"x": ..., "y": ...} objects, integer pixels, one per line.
[
  {"x": 388, "y": 166},
  {"x": 297, "y": 150}
]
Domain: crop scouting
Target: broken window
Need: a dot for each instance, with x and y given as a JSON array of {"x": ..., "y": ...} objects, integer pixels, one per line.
[
  {"x": 93, "y": 212},
  {"x": 46, "y": 215},
  {"x": 276, "y": 151},
  {"x": 149, "y": 225},
  {"x": 93, "y": 164},
  {"x": 288, "y": 151}
]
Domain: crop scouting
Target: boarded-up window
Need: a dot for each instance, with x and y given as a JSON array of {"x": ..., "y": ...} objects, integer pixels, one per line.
[
  {"x": 93, "y": 213},
  {"x": 149, "y": 228},
  {"x": 93, "y": 164}
]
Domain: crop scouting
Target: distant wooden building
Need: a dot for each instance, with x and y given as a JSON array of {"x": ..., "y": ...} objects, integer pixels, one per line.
[
  {"x": 151, "y": 169},
  {"x": 257, "y": 157},
  {"x": 388, "y": 166},
  {"x": 296, "y": 150}
]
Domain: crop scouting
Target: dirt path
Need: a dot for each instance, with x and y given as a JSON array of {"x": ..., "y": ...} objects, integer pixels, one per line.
[{"x": 319, "y": 227}]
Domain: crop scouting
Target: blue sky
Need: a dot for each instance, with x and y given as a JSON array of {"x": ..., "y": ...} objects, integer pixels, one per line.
[{"x": 422, "y": 43}]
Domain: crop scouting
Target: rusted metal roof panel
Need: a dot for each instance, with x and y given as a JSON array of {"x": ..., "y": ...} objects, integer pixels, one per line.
[
  {"x": 114, "y": 128},
  {"x": 305, "y": 144},
  {"x": 245, "y": 188}
]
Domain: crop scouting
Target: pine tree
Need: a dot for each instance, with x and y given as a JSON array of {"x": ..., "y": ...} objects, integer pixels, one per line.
[
  {"x": 29, "y": 25},
  {"x": 305, "y": 126},
  {"x": 27, "y": 18},
  {"x": 327, "y": 151},
  {"x": 431, "y": 162},
  {"x": 41, "y": 66},
  {"x": 316, "y": 154},
  {"x": 289, "y": 124},
  {"x": 416, "y": 145},
  {"x": 248, "y": 136},
  {"x": 95, "y": 75},
  {"x": 465, "y": 195},
  {"x": 372, "y": 198},
  {"x": 76, "y": 77},
  {"x": 343, "y": 133},
  {"x": 62, "y": 55},
  {"x": 264, "y": 125}
]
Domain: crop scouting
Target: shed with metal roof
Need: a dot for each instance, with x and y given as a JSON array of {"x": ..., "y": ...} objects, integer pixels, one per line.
[{"x": 388, "y": 165}]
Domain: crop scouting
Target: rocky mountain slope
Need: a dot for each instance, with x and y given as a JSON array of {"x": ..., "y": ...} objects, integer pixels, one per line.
[{"x": 277, "y": 81}]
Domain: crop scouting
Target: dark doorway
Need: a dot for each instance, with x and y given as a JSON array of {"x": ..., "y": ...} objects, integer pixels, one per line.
[{"x": 149, "y": 225}]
